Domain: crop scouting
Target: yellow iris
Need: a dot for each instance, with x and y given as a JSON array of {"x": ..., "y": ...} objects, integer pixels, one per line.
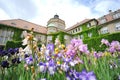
[
  {"x": 56, "y": 50},
  {"x": 106, "y": 54},
  {"x": 63, "y": 46},
  {"x": 58, "y": 62}
]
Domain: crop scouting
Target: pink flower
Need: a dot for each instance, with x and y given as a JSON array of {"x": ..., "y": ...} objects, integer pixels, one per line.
[
  {"x": 83, "y": 48},
  {"x": 106, "y": 42}
]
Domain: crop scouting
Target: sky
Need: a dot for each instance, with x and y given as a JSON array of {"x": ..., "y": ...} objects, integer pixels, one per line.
[{"x": 71, "y": 11}]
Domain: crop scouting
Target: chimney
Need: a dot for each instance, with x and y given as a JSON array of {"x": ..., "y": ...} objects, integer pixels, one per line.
[{"x": 110, "y": 11}]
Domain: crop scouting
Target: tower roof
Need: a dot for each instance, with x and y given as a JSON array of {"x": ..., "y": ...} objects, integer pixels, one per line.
[{"x": 56, "y": 16}]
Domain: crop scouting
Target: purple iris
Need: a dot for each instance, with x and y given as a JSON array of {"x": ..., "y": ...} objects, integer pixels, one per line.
[
  {"x": 51, "y": 67},
  {"x": 11, "y": 51},
  {"x": 5, "y": 64},
  {"x": 29, "y": 60},
  {"x": 84, "y": 75},
  {"x": 42, "y": 67},
  {"x": 76, "y": 42},
  {"x": 65, "y": 67},
  {"x": 16, "y": 60},
  {"x": 4, "y": 52},
  {"x": 16, "y": 50},
  {"x": 83, "y": 48},
  {"x": 98, "y": 55},
  {"x": 50, "y": 47},
  {"x": 114, "y": 46},
  {"x": 106, "y": 42}
]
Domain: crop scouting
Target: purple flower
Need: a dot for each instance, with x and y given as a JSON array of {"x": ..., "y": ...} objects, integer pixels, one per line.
[
  {"x": 5, "y": 64},
  {"x": 50, "y": 47},
  {"x": 42, "y": 67},
  {"x": 83, "y": 48},
  {"x": 3, "y": 53},
  {"x": 76, "y": 42},
  {"x": 70, "y": 52},
  {"x": 65, "y": 67},
  {"x": 51, "y": 67},
  {"x": 84, "y": 75},
  {"x": 11, "y": 51},
  {"x": 98, "y": 55},
  {"x": 106, "y": 42},
  {"x": 29, "y": 60}
]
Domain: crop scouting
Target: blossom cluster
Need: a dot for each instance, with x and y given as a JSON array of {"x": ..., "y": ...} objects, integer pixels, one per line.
[{"x": 58, "y": 58}]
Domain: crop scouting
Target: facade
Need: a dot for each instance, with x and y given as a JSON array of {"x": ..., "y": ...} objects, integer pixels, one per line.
[
  {"x": 15, "y": 27},
  {"x": 110, "y": 23},
  {"x": 85, "y": 29}
]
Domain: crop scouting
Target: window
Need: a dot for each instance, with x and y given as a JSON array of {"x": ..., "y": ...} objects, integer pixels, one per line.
[
  {"x": 81, "y": 36},
  {"x": 117, "y": 26},
  {"x": 76, "y": 29},
  {"x": 117, "y": 15},
  {"x": 80, "y": 28},
  {"x": 104, "y": 30},
  {"x": 89, "y": 34},
  {"x": 89, "y": 24},
  {"x": 73, "y": 31}
]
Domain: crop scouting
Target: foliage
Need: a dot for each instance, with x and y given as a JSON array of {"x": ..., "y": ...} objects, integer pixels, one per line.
[
  {"x": 13, "y": 44},
  {"x": 61, "y": 37},
  {"x": 93, "y": 30},
  {"x": 17, "y": 32},
  {"x": 95, "y": 42}
]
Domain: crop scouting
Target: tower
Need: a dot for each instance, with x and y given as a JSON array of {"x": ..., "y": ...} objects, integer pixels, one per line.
[{"x": 55, "y": 24}]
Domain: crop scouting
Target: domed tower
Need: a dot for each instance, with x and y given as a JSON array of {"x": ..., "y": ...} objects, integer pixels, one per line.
[{"x": 55, "y": 24}]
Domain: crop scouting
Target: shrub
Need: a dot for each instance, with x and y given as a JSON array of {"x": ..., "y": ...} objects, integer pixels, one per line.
[{"x": 96, "y": 41}]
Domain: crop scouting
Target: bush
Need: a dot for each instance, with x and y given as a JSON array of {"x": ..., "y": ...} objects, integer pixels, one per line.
[
  {"x": 13, "y": 44},
  {"x": 96, "y": 41}
]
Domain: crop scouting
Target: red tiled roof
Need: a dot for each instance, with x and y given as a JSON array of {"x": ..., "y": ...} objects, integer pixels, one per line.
[
  {"x": 79, "y": 23},
  {"x": 22, "y": 24}
]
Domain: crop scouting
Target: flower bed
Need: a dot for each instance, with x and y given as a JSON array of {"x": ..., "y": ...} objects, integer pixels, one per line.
[{"x": 60, "y": 62}]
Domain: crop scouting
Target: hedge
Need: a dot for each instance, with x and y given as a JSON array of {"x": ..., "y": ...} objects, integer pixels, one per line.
[
  {"x": 16, "y": 44},
  {"x": 13, "y": 44},
  {"x": 95, "y": 42}
]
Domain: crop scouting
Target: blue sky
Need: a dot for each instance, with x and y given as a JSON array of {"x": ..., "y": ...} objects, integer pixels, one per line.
[{"x": 40, "y": 11}]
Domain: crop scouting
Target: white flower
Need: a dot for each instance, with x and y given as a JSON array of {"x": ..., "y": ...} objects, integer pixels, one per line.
[
  {"x": 72, "y": 63},
  {"x": 51, "y": 70}
]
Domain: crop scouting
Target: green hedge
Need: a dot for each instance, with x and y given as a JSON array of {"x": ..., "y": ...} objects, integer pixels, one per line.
[
  {"x": 16, "y": 44},
  {"x": 96, "y": 41},
  {"x": 13, "y": 44}
]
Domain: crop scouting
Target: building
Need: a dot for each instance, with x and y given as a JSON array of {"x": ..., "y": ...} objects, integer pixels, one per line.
[
  {"x": 107, "y": 24},
  {"x": 110, "y": 23},
  {"x": 9, "y": 29}
]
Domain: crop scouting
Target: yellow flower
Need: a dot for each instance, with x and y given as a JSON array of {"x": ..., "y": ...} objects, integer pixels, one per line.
[
  {"x": 56, "y": 50},
  {"x": 58, "y": 62},
  {"x": 63, "y": 46},
  {"x": 106, "y": 54},
  {"x": 33, "y": 69}
]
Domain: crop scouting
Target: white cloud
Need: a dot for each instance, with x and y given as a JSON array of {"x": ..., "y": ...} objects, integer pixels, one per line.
[
  {"x": 106, "y": 5},
  {"x": 71, "y": 11},
  {"x": 3, "y": 15},
  {"x": 66, "y": 9}
]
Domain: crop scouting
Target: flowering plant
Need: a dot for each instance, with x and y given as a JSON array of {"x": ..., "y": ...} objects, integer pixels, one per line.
[{"x": 57, "y": 61}]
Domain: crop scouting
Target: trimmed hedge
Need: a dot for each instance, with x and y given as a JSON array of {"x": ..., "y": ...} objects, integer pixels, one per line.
[
  {"x": 95, "y": 42},
  {"x": 16, "y": 44},
  {"x": 13, "y": 44}
]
